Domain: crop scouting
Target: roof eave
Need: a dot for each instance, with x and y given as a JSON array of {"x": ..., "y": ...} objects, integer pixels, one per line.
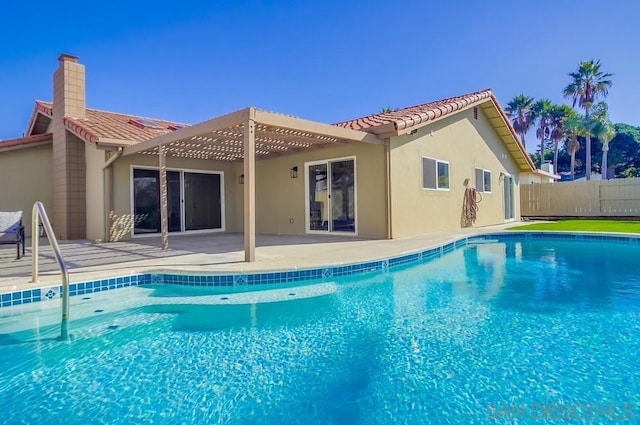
[
  {"x": 26, "y": 142},
  {"x": 511, "y": 140},
  {"x": 543, "y": 173},
  {"x": 404, "y": 128},
  {"x": 38, "y": 109}
]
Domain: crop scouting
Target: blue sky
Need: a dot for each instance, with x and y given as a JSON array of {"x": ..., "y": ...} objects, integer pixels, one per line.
[{"x": 327, "y": 61}]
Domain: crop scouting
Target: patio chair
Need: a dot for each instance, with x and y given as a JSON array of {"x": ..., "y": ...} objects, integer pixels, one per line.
[{"x": 12, "y": 230}]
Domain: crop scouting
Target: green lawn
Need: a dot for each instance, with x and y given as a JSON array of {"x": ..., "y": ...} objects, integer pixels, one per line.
[{"x": 584, "y": 226}]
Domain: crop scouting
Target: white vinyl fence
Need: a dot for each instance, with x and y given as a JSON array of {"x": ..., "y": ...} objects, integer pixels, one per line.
[{"x": 596, "y": 198}]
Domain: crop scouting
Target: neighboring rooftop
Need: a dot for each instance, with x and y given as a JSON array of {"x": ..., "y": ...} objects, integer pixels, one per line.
[{"x": 24, "y": 141}]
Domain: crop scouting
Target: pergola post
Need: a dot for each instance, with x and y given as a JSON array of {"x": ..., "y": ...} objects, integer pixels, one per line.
[
  {"x": 164, "y": 223},
  {"x": 250, "y": 188}
]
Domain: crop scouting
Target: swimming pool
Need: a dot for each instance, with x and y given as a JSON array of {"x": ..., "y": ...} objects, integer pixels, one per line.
[{"x": 507, "y": 328}]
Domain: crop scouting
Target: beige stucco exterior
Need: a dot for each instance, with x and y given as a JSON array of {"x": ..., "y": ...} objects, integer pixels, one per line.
[
  {"x": 462, "y": 140},
  {"x": 122, "y": 182},
  {"x": 94, "y": 182},
  {"x": 26, "y": 178},
  {"x": 386, "y": 197},
  {"x": 279, "y": 198},
  {"x": 465, "y": 143}
]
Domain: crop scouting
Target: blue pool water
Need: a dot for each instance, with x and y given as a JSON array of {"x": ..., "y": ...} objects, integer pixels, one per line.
[{"x": 529, "y": 331}]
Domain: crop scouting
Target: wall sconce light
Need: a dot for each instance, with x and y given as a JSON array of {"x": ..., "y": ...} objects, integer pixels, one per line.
[
  {"x": 241, "y": 178},
  {"x": 294, "y": 172}
]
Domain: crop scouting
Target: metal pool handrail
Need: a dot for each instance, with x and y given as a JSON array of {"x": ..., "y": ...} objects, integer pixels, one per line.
[{"x": 39, "y": 213}]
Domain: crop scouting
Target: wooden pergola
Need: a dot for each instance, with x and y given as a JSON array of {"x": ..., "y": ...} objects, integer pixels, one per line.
[{"x": 244, "y": 135}]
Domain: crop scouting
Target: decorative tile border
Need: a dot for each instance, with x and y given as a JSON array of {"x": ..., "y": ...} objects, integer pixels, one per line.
[{"x": 255, "y": 279}]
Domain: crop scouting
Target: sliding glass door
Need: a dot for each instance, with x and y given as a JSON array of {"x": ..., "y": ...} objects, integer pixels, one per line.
[
  {"x": 331, "y": 196},
  {"x": 318, "y": 208},
  {"x": 195, "y": 201},
  {"x": 509, "y": 198},
  {"x": 202, "y": 201}
]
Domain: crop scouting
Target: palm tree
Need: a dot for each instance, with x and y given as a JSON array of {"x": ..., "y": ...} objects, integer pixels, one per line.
[
  {"x": 604, "y": 130},
  {"x": 588, "y": 84},
  {"x": 607, "y": 134},
  {"x": 542, "y": 111},
  {"x": 520, "y": 111},
  {"x": 558, "y": 130},
  {"x": 574, "y": 127}
]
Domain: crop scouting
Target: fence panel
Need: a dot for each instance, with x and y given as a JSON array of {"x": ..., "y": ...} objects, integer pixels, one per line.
[{"x": 595, "y": 198}]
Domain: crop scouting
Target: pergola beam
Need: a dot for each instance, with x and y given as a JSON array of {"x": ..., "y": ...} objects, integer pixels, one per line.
[
  {"x": 225, "y": 121},
  {"x": 245, "y": 134},
  {"x": 297, "y": 124}
]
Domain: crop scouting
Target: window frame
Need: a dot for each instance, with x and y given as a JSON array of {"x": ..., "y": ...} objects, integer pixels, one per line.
[
  {"x": 483, "y": 188},
  {"x": 437, "y": 179}
]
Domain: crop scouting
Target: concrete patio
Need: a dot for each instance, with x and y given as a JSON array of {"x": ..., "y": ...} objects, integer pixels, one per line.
[{"x": 211, "y": 253}]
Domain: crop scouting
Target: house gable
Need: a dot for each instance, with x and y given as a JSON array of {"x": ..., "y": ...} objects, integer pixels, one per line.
[
  {"x": 463, "y": 143},
  {"x": 409, "y": 120}
]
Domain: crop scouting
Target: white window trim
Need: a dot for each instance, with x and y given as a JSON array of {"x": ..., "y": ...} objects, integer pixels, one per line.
[
  {"x": 182, "y": 210},
  {"x": 441, "y": 189},
  {"x": 484, "y": 170}
]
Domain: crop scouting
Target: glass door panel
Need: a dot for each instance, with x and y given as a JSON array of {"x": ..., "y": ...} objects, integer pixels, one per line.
[
  {"x": 146, "y": 201},
  {"x": 318, "y": 197},
  {"x": 202, "y": 201},
  {"x": 342, "y": 196},
  {"x": 509, "y": 198},
  {"x": 174, "y": 213}
]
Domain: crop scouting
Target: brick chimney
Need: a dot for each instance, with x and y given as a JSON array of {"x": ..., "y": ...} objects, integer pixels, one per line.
[
  {"x": 68, "y": 88},
  {"x": 69, "y": 182}
]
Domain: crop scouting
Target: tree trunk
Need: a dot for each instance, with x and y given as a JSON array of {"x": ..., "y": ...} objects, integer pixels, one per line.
[
  {"x": 542, "y": 150},
  {"x": 524, "y": 145},
  {"x": 588, "y": 143},
  {"x": 573, "y": 165},
  {"x": 588, "y": 153},
  {"x": 555, "y": 157},
  {"x": 605, "y": 152}
]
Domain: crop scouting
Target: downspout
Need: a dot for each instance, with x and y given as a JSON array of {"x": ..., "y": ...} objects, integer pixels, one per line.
[
  {"x": 387, "y": 183},
  {"x": 108, "y": 191}
]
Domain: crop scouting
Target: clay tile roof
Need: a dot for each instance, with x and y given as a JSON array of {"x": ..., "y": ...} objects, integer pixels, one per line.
[
  {"x": 413, "y": 115},
  {"x": 24, "y": 141},
  {"x": 110, "y": 125}
]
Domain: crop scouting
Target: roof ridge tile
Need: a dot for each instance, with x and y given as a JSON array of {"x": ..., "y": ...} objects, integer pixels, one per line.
[{"x": 430, "y": 110}]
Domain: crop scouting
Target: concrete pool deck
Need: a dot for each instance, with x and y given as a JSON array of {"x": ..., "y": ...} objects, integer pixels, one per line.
[{"x": 212, "y": 253}]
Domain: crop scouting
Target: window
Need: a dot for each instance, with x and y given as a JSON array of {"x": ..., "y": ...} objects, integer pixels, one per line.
[
  {"x": 483, "y": 180},
  {"x": 435, "y": 174}
]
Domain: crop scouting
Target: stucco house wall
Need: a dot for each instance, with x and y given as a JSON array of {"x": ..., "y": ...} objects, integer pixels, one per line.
[
  {"x": 390, "y": 201},
  {"x": 279, "y": 198},
  {"x": 26, "y": 177},
  {"x": 122, "y": 184},
  {"x": 465, "y": 143}
]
